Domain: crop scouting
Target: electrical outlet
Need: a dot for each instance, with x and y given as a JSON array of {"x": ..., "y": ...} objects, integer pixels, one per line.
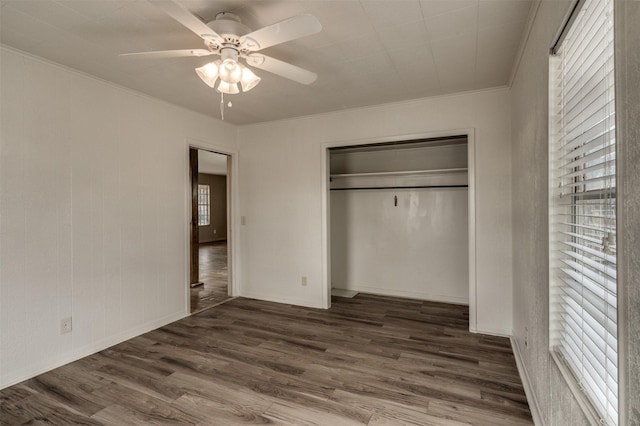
[
  {"x": 215, "y": 231},
  {"x": 304, "y": 281},
  {"x": 65, "y": 325}
]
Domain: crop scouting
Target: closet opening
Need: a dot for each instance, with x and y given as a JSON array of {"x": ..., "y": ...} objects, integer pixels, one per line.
[{"x": 400, "y": 220}]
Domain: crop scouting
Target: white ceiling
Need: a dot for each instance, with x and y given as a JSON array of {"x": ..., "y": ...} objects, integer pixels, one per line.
[{"x": 370, "y": 51}]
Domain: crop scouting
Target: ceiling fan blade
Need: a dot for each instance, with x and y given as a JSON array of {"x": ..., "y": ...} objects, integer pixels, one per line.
[
  {"x": 289, "y": 29},
  {"x": 280, "y": 68},
  {"x": 188, "y": 19},
  {"x": 161, "y": 54}
]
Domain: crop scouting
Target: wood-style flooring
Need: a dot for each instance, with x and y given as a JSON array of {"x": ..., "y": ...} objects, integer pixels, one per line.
[
  {"x": 370, "y": 360},
  {"x": 214, "y": 274}
]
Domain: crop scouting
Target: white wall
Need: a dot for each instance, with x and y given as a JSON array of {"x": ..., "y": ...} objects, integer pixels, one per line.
[
  {"x": 93, "y": 205},
  {"x": 417, "y": 249},
  {"x": 414, "y": 156},
  {"x": 549, "y": 396},
  {"x": 281, "y": 194},
  {"x": 627, "y": 33}
]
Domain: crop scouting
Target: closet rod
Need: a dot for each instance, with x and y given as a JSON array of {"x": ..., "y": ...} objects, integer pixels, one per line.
[{"x": 401, "y": 187}]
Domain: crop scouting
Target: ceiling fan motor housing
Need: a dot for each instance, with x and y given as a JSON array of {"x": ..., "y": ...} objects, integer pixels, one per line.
[
  {"x": 229, "y": 27},
  {"x": 229, "y": 51}
]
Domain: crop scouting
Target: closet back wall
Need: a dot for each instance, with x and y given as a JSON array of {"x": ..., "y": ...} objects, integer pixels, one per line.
[{"x": 417, "y": 248}]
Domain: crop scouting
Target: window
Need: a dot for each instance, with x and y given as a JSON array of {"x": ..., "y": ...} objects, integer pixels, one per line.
[
  {"x": 582, "y": 216},
  {"x": 204, "y": 217}
]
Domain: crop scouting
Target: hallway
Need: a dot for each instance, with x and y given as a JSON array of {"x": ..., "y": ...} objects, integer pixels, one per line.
[{"x": 214, "y": 273}]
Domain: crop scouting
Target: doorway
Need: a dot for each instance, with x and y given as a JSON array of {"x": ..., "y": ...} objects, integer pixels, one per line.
[{"x": 209, "y": 236}]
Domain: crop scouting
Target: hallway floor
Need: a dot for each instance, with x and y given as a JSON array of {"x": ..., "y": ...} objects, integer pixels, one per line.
[{"x": 214, "y": 273}]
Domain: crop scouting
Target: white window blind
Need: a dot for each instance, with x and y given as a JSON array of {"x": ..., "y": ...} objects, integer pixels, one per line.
[{"x": 583, "y": 293}]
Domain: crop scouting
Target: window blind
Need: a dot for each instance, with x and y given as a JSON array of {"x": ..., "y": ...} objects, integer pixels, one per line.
[{"x": 583, "y": 293}]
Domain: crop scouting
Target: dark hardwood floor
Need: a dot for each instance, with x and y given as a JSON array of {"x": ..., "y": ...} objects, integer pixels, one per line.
[
  {"x": 369, "y": 360},
  {"x": 214, "y": 273}
]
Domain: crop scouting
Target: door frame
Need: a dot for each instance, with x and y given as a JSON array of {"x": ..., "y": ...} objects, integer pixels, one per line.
[
  {"x": 232, "y": 207},
  {"x": 326, "y": 215},
  {"x": 194, "y": 234}
]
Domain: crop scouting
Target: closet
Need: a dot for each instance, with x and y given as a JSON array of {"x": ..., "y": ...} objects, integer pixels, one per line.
[{"x": 399, "y": 219}]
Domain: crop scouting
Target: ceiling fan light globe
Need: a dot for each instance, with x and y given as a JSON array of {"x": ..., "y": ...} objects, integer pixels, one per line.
[
  {"x": 228, "y": 88},
  {"x": 230, "y": 71},
  {"x": 208, "y": 73},
  {"x": 249, "y": 79}
]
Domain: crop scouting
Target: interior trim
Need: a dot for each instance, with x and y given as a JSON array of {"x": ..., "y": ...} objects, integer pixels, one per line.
[{"x": 538, "y": 419}]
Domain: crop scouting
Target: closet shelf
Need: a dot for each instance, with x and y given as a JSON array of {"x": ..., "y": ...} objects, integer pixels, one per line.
[{"x": 403, "y": 173}]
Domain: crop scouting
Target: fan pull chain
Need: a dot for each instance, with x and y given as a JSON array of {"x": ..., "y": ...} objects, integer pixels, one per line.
[{"x": 222, "y": 105}]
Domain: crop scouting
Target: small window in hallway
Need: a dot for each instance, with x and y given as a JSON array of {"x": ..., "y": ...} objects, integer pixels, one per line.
[{"x": 204, "y": 216}]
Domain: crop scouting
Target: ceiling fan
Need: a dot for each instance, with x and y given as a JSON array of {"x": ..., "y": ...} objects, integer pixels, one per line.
[{"x": 227, "y": 37}]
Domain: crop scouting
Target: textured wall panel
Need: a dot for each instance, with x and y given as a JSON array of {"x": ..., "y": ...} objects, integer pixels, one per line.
[{"x": 92, "y": 212}]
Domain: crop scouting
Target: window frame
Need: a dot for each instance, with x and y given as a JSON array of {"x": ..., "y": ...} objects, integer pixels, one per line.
[
  {"x": 204, "y": 205},
  {"x": 581, "y": 196}
]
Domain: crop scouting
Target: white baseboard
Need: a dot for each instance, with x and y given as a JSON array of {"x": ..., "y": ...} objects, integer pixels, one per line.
[
  {"x": 491, "y": 332},
  {"x": 279, "y": 299},
  {"x": 538, "y": 419},
  {"x": 340, "y": 292},
  {"x": 49, "y": 364},
  {"x": 408, "y": 294}
]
